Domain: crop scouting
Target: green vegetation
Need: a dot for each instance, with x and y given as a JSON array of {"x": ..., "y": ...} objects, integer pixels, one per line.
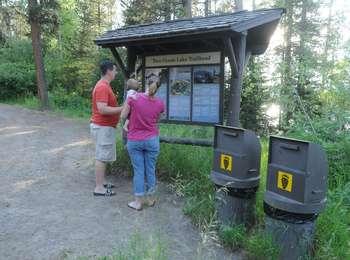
[
  {"x": 138, "y": 247},
  {"x": 261, "y": 246},
  {"x": 187, "y": 170},
  {"x": 306, "y": 74},
  {"x": 233, "y": 237}
]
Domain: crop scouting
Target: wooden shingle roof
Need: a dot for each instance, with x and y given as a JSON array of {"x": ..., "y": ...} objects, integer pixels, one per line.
[{"x": 235, "y": 22}]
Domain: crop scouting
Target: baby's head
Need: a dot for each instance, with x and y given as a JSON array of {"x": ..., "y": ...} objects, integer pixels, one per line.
[{"x": 132, "y": 84}]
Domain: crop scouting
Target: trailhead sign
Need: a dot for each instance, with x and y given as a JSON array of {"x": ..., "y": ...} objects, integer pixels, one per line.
[{"x": 191, "y": 85}]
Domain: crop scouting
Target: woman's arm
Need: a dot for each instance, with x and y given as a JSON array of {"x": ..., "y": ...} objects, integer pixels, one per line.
[{"x": 125, "y": 111}]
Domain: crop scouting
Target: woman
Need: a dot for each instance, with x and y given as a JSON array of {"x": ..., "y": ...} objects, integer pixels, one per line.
[{"x": 143, "y": 143}]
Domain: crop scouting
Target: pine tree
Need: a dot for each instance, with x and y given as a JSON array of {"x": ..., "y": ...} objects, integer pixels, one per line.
[
  {"x": 40, "y": 14},
  {"x": 299, "y": 69},
  {"x": 146, "y": 11}
]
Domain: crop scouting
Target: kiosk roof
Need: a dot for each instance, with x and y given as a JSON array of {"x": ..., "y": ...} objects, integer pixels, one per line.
[{"x": 234, "y": 22}]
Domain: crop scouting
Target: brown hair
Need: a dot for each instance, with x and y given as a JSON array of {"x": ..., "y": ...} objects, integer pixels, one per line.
[{"x": 152, "y": 88}]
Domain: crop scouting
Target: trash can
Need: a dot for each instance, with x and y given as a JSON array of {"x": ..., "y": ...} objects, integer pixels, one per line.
[
  {"x": 296, "y": 188},
  {"x": 236, "y": 174}
]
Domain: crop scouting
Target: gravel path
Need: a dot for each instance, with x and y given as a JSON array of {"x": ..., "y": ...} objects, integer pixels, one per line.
[{"x": 47, "y": 210}]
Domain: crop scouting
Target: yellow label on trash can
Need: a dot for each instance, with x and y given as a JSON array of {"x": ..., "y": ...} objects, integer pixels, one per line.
[
  {"x": 226, "y": 162},
  {"x": 285, "y": 181}
]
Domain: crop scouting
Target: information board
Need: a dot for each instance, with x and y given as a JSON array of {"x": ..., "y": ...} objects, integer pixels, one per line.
[
  {"x": 180, "y": 93},
  {"x": 191, "y": 93},
  {"x": 206, "y": 94}
]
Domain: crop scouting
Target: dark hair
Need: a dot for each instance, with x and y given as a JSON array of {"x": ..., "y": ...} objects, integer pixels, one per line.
[{"x": 105, "y": 66}]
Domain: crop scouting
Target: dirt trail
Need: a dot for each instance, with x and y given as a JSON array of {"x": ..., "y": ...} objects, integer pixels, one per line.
[{"x": 46, "y": 205}]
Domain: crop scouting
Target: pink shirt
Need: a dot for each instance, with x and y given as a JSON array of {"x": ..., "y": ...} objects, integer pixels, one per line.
[{"x": 144, "y": 115}]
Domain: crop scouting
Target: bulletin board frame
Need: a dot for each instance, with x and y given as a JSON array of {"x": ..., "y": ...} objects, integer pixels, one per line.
[{"x": 219, "y": 63}]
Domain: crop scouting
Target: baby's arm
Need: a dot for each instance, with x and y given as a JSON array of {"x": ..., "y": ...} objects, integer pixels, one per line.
[{"x": 125, "y": 127}]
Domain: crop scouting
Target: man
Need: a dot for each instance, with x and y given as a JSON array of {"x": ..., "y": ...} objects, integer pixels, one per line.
[{"x": 105, "y": 117}]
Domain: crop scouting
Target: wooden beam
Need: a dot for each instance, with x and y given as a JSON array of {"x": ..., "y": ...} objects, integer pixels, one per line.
[
  {"x": 248, "y": 54},
  {"x": 186, "y": 141},
  {"x": 231, "y": 56},
  {"x": 119, "y": 61},
  {"x": 139, "y": 68}
]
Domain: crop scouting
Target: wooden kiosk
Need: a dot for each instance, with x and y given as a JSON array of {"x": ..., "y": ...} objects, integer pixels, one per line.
[{"x": 188, "y": 56}]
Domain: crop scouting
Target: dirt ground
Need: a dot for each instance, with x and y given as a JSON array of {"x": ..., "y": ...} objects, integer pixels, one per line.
[{"x": 47, "y": 210}]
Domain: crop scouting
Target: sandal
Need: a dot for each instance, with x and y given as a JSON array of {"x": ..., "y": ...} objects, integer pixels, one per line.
[
  {"x": 108, "y": 193},
  {"x": 108, "y": 186},
  {"x": 151, "y": 202},
  {"x": 133, "y": 206}
]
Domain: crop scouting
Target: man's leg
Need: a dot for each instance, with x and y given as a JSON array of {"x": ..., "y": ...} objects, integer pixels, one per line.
[
  {"x": 100, "y": 169},
  {"x": 105, "y": 152}
]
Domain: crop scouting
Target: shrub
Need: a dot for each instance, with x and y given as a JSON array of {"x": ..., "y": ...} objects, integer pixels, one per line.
[
  {"x": 62, "y": 100},
  {"x": 17, "y": 72},
  {"x": 16, "y": 79}
]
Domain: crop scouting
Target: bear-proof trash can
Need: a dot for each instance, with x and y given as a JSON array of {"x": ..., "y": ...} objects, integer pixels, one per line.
[
  {"x": 236, "y": 174},
  {"x": 295, "y": 194}
]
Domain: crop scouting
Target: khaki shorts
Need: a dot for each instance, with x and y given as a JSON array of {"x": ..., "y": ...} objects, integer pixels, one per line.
[{"x": 105, "y": 142}]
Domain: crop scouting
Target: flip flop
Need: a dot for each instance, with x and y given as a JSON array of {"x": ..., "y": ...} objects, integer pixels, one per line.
[
  {"x": 108, "y": 186},
  {"x": 108, "y": 193}
]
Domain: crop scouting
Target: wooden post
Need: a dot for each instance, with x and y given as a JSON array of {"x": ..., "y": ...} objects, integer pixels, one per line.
[
  {"x": 236, "y": 80},
  {"x": 293, "y": 233},
  {"x": 130, "y": 66},
  {"x": 236, "y": 206},
  {"x": 131, "y": 61}
]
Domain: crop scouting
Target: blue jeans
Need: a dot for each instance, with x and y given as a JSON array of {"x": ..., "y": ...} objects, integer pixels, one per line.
[{"x": 143, "y": 155}]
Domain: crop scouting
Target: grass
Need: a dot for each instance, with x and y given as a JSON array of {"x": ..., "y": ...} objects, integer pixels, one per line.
[
  {"x": 261, "y": 246},
  {"x": 233, "y": 237},
  {"x": 333, "y": 226},
  {"x": 76, "y": 107},
  {"x": 187, "y": 170},
  {"x": 139, "y": 247}
]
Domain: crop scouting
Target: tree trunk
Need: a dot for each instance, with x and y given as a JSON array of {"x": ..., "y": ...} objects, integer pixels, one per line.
[
  {"x": 188, "y": 8},
  {"x": 167, "y": 12},
  {"x": 99, "y": 15},
  {"x": 253, "y": 5},
  {"x": 38, "y": 55},
  {"x": 238, "y": 5},
  {"x": 327, "y": 43},
  {"x": 287, "y": 63},
  {"x": 207, "y": 7},
  {"x": 301, "y": 53}
]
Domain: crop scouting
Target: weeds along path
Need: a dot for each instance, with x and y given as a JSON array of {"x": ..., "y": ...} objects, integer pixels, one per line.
[{"x": 47, "y": 210}]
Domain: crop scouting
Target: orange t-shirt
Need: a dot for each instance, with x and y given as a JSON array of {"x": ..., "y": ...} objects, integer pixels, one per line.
[{"x": 103, "y": 93}]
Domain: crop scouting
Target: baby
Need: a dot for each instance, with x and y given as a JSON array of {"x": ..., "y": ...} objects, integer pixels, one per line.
[{"x": 132, "y": 87}]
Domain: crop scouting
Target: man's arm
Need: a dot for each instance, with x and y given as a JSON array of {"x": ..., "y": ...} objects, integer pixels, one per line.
[
  {"x": 104, "y": 109},
  {"x": 125, "y": 111}
]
